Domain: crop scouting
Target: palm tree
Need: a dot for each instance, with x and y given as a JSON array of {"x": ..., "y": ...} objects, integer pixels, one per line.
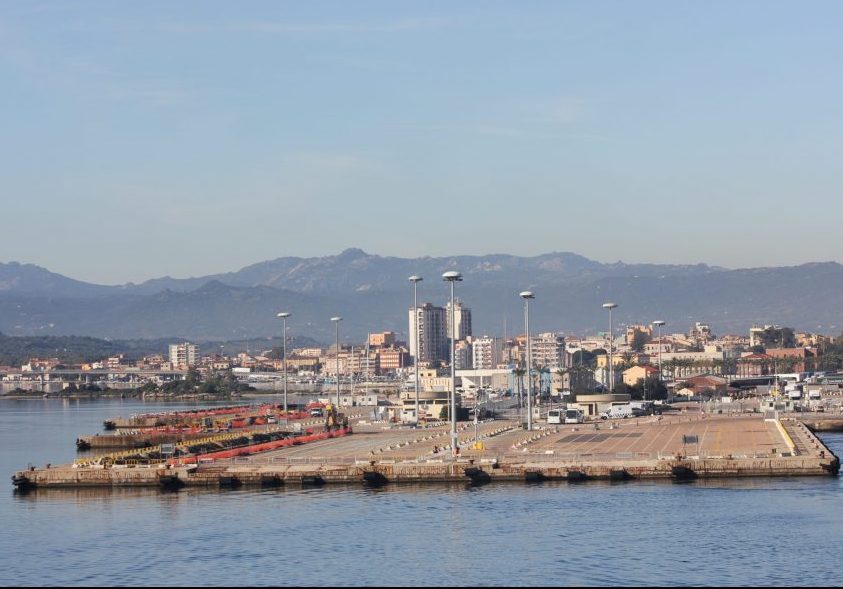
[
  {"x": 766, "y": 363},
  {"x": 581, "y": 377},
  {"x": 519, "y": 382},
  {"x": 540, "y": 372},
  {"x": 669, "y": 366}
]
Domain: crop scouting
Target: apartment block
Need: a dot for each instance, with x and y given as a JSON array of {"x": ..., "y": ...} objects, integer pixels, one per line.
[
  {"x": 486, "y": 352},
  {"x": 432, "y": 333},
  {"x": 183, "y": 355}
]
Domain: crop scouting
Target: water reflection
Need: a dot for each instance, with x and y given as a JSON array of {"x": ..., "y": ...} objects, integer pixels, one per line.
[{"x": 712, "y": 531}]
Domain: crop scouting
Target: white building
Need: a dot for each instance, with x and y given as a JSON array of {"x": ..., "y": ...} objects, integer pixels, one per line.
[
  {"x": 433, "y": 335},
  {"x": 756, "y": 335},
  {"x": 462, "y": 320},
  {"x": 548, "y": 351},
  {"x": 486, "y": 352},
  {"x": 182, "y": 355},
  {"x": 463, "y": 356}
]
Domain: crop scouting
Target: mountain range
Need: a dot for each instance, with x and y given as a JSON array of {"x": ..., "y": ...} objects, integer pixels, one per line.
[{"x": 372, "y": 293}]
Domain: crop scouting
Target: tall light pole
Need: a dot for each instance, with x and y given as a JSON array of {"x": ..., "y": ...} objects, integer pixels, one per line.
[
  {"x": 611, "y": 306},
  {"x": 659, "y": 324},
  {"x": 337, "y": 320},
  {"x": 453, "y": 277},
  {"x": 415, "y": 280},
  {"x": 527, "y": 295},
  {"x": 283, "y": 317}
]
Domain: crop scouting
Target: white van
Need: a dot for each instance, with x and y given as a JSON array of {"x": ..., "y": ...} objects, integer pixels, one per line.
[
  {"x": 617, "y": 412},
  {"x": 554, "y": 416},
  {"x": 574, "y": 416}
]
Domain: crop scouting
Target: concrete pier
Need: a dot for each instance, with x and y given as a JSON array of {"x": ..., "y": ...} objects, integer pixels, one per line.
[
  {"x": 135, "y": 440},
  {"x": 818, "y": 422},
  {"x": 677, "y": 447}
]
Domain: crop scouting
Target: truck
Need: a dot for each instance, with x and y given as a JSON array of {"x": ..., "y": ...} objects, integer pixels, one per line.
[
  {"x": 794, "y": 391},
  {"x": 617, "y": 412}
]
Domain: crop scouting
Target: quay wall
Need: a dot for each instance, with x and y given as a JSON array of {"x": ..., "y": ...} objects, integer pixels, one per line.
[
  {"x": 822, "y": 424},
  {"x": 415, "y": 472}
]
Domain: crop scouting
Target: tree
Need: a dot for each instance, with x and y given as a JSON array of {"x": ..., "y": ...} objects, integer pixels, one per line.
[
  {"x": 787, "y": 364},
  {"x": 653, "y": 387},
  {"x": 445, "y": 413},
  {"x": 542, "y": 371},
  {"x": 519, "y": 382},
  {"x": 669, "y": 366},
  {"x": 778, "y": 337},
  {"x": 626, "y": 362},
  {"x": 639, "y": 340},
  {"x": 586, "y": 358},
  {"x": 581, "y": 378}
]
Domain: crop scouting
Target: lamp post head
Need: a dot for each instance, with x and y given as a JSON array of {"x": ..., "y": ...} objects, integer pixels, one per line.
[
  {"x": 283, "y": 315},
  {"x": 452, "y": 277},
  {"x": 609, "y": 305},
  {"x": 337, "y": 319},
  {"x": 527, "y": 294},
  {"x": 659, "y": 323},
  {"x": 415, "y": 278}
]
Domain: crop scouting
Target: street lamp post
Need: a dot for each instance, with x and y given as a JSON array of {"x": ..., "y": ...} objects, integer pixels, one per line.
[
  {"x": 527, "y": 295},
  {"x": 415, "y": 280},
  {"x": 476, "y": 418},
  {"x": 453, "y": 277},
  {"x": 337, "y": 320},
  {"x": 659, "y": 324},
  {"x": 283, "y": 317},
  {"x": 611, "y": 306}
]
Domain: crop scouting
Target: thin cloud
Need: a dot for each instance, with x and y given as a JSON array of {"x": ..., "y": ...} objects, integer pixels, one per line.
[
  {"x": 329, "y": 162},
  {"x": 275, "y": 27},
  {"x": 85, "y": 75},
  {"x": 556, "y": 112}
]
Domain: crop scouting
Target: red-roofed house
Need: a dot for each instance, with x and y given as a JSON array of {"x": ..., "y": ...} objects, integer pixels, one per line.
[{"x": 631, "y": 376}]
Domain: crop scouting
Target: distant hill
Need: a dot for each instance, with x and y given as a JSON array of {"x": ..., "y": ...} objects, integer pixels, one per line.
[
  {"x": 28, "y": 279},
  {"x": 372, "y": 294}
]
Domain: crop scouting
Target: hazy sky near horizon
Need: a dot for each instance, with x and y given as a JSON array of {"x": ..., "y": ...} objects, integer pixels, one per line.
[{"x": 185, "y": 138}]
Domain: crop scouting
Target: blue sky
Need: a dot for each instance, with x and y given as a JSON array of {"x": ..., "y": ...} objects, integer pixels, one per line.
[{"x": 152, "y": 138}]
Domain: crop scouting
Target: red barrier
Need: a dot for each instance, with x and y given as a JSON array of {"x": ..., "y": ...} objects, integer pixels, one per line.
[{"x": 264, "y": 447}]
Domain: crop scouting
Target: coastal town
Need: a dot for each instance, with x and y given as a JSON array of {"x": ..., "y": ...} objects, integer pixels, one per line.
[
  {"x": 640, "y": 401},
  {"x": 641, "y": 361}
]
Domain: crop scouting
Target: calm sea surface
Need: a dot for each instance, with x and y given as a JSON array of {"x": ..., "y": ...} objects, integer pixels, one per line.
[{"x": 747, "y": 532}]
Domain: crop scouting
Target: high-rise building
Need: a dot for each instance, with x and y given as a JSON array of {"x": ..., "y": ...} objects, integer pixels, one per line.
[
  {"x": 486, "y": 352},
  {"x": 462, "y": 320},
  {"x": 432, "y": 338},
  {"x": 183, "y": 355},
  {"x": 462, "y": 356},
  {"x": 548, "y": 350}
]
